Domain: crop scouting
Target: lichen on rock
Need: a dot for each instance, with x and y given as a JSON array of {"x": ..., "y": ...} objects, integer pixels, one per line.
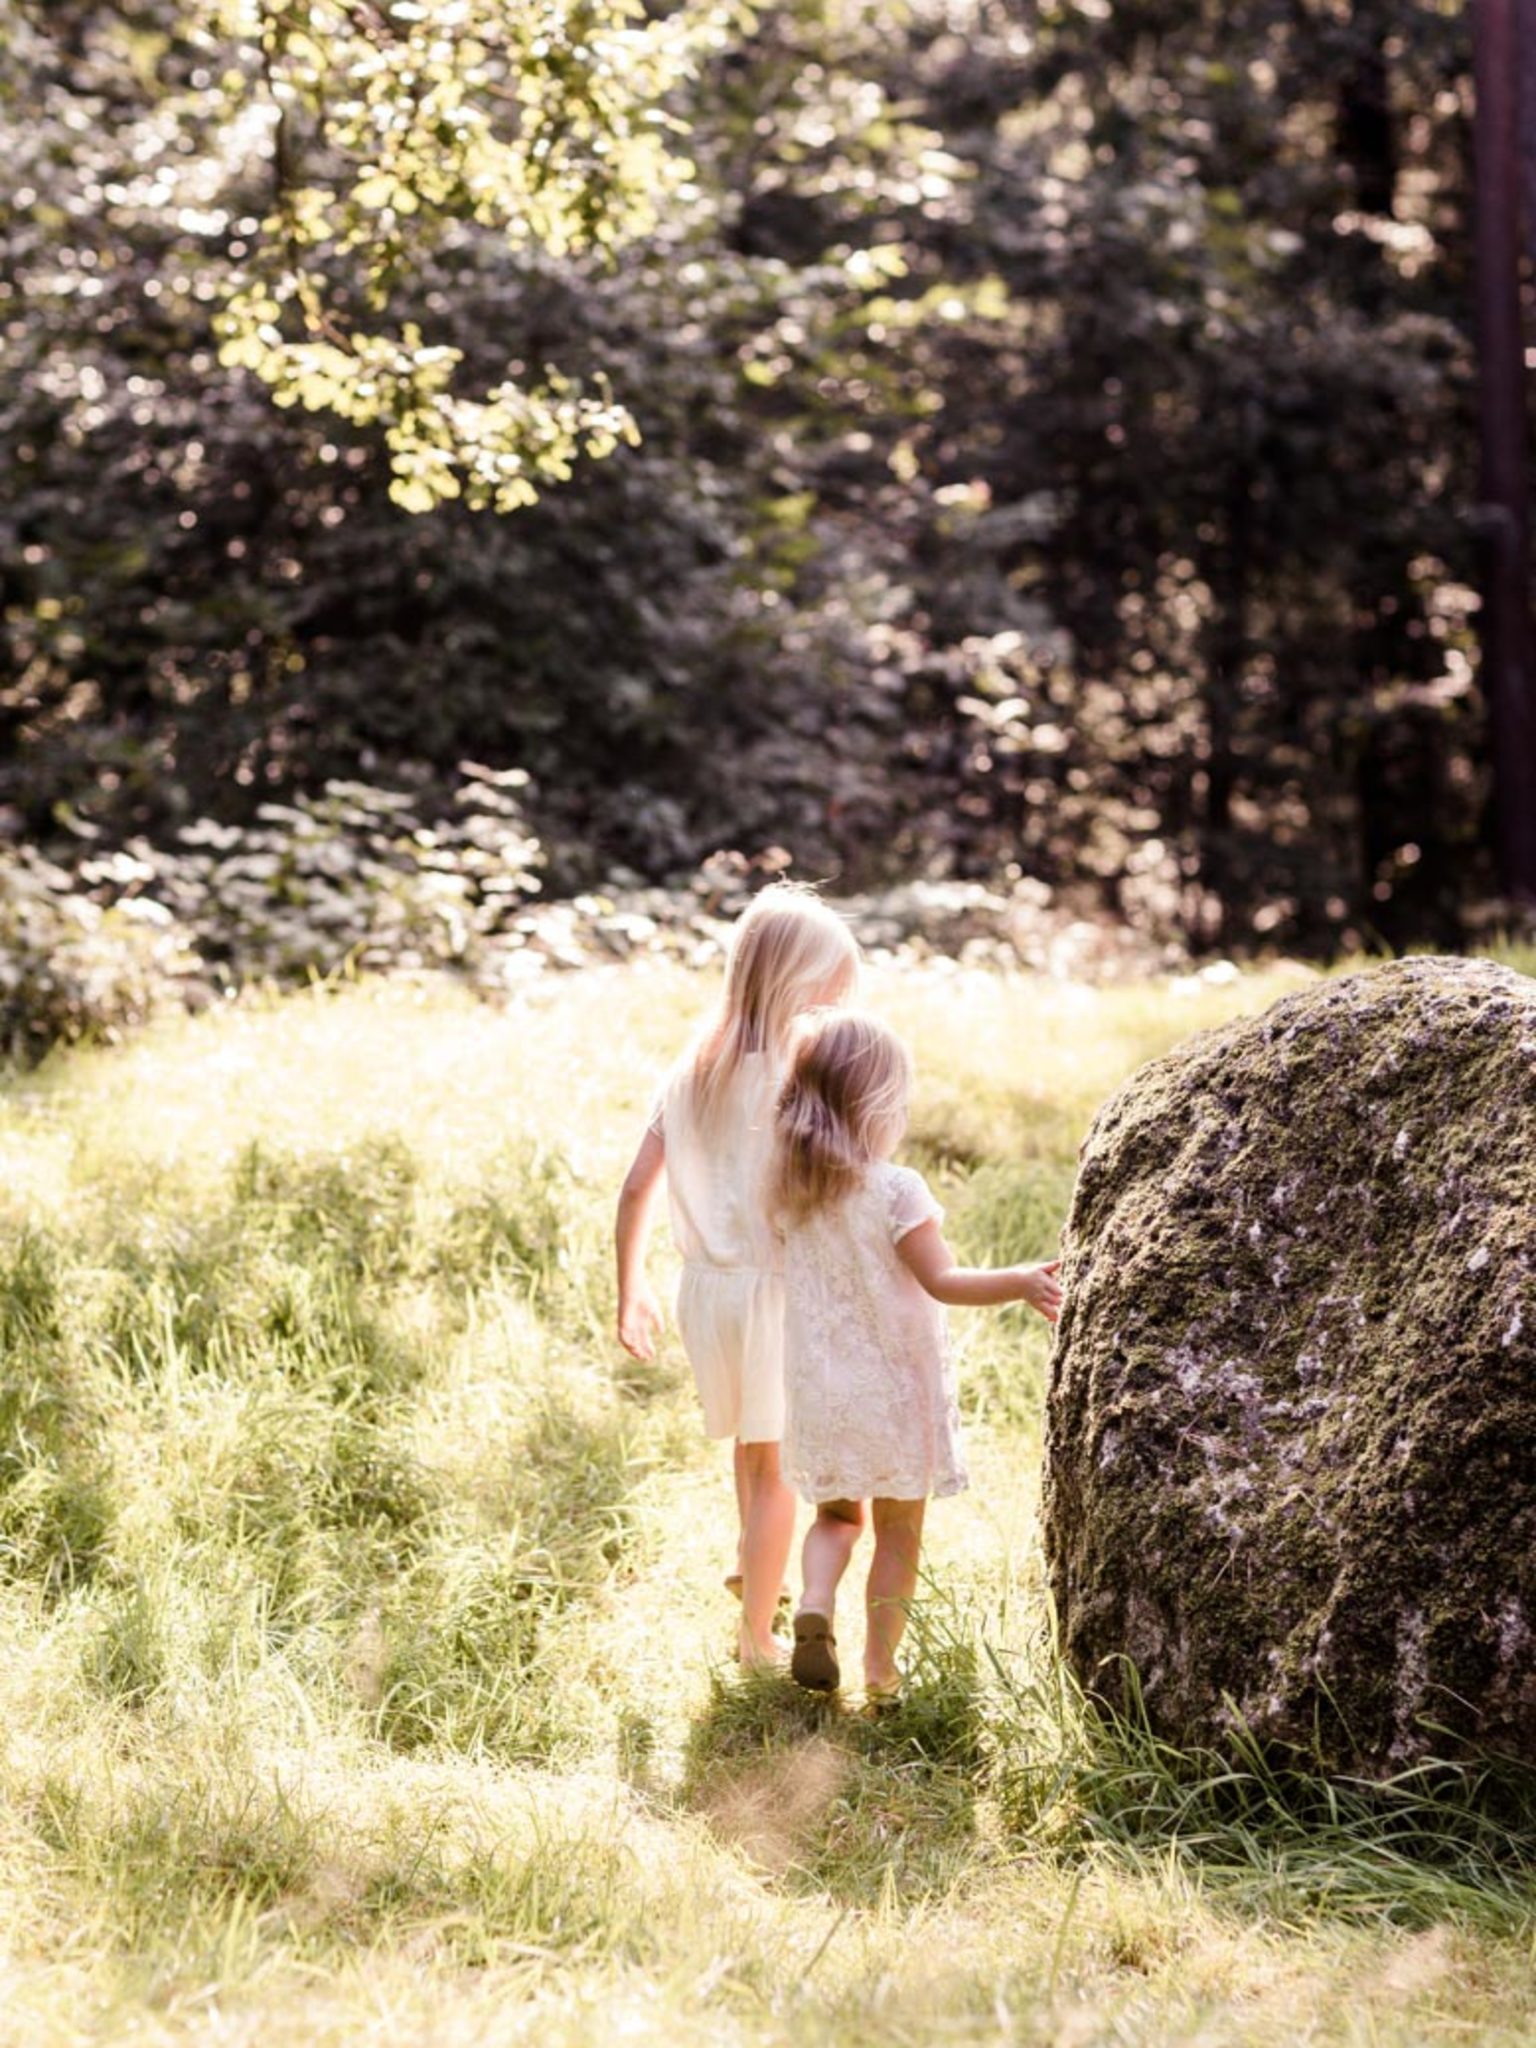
[{"x": 1291, "y": 1425}]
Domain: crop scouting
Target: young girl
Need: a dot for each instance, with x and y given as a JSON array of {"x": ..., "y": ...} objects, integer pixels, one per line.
[
  {"x": 869, "y": 1397},
  {"x": 711, "y": 1131}
]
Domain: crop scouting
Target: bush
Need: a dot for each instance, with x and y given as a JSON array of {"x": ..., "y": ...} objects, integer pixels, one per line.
[
  {"x": 357, "y": 876},
  {"x": 74, "y": 968}
]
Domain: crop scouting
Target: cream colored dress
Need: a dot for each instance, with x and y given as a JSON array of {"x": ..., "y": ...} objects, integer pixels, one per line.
[
  {"x": 730, "y": 1300},
  {"x": 869, "y": 1393}
]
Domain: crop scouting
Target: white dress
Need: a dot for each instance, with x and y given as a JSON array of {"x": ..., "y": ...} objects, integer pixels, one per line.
[
  {"x": 730, "y": 1298},
  {"x": 869, "y": 1393}
]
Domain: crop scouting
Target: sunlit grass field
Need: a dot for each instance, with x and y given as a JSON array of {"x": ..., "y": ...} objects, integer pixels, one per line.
[{"x": 366, "y": 1660}]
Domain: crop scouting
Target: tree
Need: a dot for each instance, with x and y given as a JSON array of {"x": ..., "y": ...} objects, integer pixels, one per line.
[
  {"x": 1509, "y": 649},
  {"x": 1057, "y": 435},
  {"x": 354, "y": 140}
]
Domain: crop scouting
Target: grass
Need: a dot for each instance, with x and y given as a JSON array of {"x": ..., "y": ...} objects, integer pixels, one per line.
[{"x": 365, "y": 1670}]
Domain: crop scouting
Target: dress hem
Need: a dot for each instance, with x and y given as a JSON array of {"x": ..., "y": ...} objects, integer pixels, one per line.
[{"x": 818, "y": 1497}]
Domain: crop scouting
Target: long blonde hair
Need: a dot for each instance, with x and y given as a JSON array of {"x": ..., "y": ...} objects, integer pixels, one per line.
[
  {"x": 788, "y": 953},
  {"x": 841, "y": 1108}
]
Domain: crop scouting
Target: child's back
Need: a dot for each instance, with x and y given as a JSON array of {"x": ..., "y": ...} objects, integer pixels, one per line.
[
  {"x": 730, "y": 1310},
  {"x": 717, "y": 1170},
  {"x": 870, "y": 1394}
]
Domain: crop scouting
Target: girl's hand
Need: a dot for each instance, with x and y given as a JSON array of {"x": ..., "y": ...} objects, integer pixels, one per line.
[
  {"x": 639, "y": 1311},
  {"x": 640, "y": 1323},
  {"x": 932, "y": 1264},
  {"x": 1041, "y": 1289}
]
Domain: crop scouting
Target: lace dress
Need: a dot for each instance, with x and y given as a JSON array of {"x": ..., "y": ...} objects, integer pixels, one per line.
[
  {"x": 730, "y": 1298},
  {"x": 869, "y": 1394}
]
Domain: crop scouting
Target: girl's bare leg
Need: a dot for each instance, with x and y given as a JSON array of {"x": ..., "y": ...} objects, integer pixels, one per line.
[
  {"x": 768, "y": 1529},
  {"x": 828, "y": 1546},
  {"x": 739, "y": 1462},
  {"x": 892, "y": 1582}
]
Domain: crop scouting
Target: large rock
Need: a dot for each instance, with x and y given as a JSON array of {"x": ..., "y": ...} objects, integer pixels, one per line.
[{"x": 1291, "y": 1436}]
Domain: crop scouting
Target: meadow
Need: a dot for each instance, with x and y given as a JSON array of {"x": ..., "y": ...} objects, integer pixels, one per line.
[{"x": 366, "y": 1668}]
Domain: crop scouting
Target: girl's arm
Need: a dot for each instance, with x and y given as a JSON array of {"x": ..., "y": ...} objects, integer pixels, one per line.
[
  {"x": 929, "y": 1259},
  {"x": 639, "y": 1310}
]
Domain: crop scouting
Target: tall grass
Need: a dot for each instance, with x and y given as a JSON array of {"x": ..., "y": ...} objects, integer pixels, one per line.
[
  {"x": 367, "y": 1668},
  {"x": 1441, "y": 1839}
]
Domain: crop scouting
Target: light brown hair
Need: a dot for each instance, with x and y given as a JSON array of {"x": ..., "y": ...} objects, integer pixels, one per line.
[{"x": 842, "y": 1107}]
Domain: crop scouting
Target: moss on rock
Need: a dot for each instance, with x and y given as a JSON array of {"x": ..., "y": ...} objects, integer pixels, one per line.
[{"x": 1291, "y": 1432}]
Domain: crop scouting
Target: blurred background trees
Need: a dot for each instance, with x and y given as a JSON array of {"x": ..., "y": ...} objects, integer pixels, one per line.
[{"x": 1055, "y": 455}]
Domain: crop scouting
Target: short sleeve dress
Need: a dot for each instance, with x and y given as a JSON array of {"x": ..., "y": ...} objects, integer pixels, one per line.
[
  {"x": 870, "y": 1408},
  {"x": 730, "y": 1298}
]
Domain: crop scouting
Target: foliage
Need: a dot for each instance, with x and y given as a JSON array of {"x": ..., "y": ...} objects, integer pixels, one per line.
[
  {"x": 71, "y": 969},
  {"x": 351, "y": 878},
  {"x": 1055, "y": 448},
  {"x": 371, "y": 135},
  {"x": 354, "y": 882},
  {"x": 392, "y": 129}
]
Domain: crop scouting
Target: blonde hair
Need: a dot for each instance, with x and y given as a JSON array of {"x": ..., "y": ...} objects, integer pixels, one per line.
[
  {"x": 788, "y": 953},
  {"x": 841, "y": 1108}
]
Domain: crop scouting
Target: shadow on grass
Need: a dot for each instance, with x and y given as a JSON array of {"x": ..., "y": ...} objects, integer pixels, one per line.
[{"x": 823, "y": 1796}]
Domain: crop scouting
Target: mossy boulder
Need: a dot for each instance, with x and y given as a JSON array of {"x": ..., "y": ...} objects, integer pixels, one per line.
[{"x": 1291, "y": 1430}]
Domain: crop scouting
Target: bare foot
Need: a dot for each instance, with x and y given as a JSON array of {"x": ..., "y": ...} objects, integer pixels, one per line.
[{"x": 770, "y": 1656}]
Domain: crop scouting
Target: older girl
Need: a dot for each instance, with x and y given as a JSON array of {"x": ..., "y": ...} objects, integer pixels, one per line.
[{"x": 711, "y": 1133}]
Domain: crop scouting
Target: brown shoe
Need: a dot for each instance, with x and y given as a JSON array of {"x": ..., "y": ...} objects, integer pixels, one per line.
[{"x": 813, "y": 1662}]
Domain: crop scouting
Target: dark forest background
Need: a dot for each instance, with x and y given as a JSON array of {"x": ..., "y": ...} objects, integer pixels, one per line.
[{"x": 1120, "y": 536}]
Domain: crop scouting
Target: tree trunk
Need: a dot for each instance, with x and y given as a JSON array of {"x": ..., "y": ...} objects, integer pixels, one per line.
[
  {"x": 1228, "y": 650},
  {"x": 1366, "y": 139},
  {"x": 1509, "y": 658},
  {"x": 1525, "y": 36}
]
